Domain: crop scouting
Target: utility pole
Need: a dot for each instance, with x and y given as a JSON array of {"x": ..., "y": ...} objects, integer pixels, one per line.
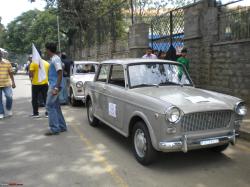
[
  {"x": 132, "y": 11},
  {"x": 58, "y": 34}
]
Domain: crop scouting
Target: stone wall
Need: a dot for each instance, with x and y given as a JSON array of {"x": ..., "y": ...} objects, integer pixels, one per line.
[
  {"x": 230, "y": 68},
  {"x": 106, "y": 51},
  {"x": 215, "y": 65},
  {"x": 134, "y": 46}
]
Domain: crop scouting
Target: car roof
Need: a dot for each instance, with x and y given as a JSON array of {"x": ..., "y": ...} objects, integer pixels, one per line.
[
  {"x": 85, "y": 62},
  {"x": 127, "y": 61}
]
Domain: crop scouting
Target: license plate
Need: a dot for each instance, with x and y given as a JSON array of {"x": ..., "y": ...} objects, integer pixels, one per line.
[{"x": 208, "y": 142}]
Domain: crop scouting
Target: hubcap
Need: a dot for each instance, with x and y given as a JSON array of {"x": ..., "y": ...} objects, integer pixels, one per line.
[
  {"x": 90, "y": 111},
  {"x": 140, "y": 143}
]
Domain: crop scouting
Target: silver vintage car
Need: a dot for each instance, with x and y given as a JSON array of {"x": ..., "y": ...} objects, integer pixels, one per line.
[
  {"x": 156, "y": 104},
  {"x": 81, "y": 71}
]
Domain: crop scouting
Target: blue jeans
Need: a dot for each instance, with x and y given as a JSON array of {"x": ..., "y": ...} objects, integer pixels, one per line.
[
  {"x": 56, "y": 119},
  {"x": 9, "y": 100},
  {"x": 63, "y": 96}
]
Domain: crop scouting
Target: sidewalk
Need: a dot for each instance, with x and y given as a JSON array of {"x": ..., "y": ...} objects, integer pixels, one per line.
[{"x": 245, "y": 127}]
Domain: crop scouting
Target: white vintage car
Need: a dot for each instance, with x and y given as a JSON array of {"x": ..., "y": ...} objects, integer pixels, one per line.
[
  {"x": 156, "y": 104},
  {"x": 81, "y": 72}
]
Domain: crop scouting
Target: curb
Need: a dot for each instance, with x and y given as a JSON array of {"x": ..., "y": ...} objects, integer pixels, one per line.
[{"x": 244, "y": 135}]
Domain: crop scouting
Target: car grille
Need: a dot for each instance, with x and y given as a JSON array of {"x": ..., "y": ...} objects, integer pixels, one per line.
[{"x": 206, "y": 120}]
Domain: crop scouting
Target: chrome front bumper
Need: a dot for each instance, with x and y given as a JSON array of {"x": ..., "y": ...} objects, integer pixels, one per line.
[
  {"x": 80, "y": 97},
  {"x": 188, "y": 143}
]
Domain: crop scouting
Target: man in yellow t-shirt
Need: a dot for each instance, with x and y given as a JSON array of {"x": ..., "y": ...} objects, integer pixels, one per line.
[{"x": 38, "y": 87}]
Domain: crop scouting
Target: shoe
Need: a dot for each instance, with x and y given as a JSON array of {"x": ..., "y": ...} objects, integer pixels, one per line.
[
  {"x": 64, "y": 130},
  {"x": 8, "y": 113},
  {"x": 50, "y": 133},
  {"x": 46, "y": 114},
  {"x": 1, "y": 116},
  {"x": 35, "y": 116}
]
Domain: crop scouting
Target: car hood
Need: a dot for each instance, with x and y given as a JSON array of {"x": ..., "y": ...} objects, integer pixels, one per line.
[
  {"x": 190, "y": 99},
  {"x": 83, "y": 78}
]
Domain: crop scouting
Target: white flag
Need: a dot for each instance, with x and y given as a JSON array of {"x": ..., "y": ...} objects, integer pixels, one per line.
[{"x": 36, "y": 58}]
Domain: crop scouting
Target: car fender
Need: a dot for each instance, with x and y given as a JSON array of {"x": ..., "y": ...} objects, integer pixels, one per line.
[{"x": 150, "y": 129}]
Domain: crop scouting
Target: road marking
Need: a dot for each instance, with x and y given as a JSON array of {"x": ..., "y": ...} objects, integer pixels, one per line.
[{"x": 109, "y": 169}]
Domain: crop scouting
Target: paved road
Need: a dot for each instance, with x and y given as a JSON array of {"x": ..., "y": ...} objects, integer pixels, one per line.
[{"x": 87, "y": 156}]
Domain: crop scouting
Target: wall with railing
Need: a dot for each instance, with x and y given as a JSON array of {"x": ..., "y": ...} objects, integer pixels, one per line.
[
  {"x": 218, "y": 42},
  {"x": 234, "y": 23}
]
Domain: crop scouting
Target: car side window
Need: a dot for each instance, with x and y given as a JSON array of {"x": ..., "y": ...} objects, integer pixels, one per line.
[
  {"x": 103, "y": 73},
  {"x": 117, "y": 76}
]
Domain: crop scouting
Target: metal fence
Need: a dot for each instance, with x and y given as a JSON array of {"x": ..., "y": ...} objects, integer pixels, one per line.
[
  {"x": 234, "y": 24},
  {"x": 168, "y": 30}
]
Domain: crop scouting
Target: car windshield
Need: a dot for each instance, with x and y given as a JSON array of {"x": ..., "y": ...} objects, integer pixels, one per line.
[
  {"x": 84, "y": 68},
  {"x": 157, "y": 74}
]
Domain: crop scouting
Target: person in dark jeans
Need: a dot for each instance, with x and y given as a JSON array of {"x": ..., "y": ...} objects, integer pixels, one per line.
[
  {"x": 67, "y": 64},
  {"x": 38, "y": 91},
  {"x": 38, "y": 88}
]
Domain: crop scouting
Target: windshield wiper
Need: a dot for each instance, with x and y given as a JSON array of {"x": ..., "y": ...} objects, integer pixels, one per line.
[
  {"x": 146, "y": 85},
  {"x": 169, "y": 83}
]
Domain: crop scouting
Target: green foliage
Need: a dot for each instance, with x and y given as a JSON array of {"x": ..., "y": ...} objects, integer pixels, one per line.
[
  {"x": 2, "y": 33},
  {"x": 83, "y": 17},
  {"x": 34, "y": 26}
]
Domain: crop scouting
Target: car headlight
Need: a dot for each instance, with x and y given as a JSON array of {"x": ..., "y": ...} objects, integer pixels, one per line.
[
  {"x": 173, "y": 114},
  {"x": 241, "y": 109},
  {"x": 79, "y": 84}
]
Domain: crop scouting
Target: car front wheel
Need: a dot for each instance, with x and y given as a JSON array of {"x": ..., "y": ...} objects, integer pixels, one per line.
[
  {"x": 93, "y": 121},
  {"x": 142, "y": 146},
  {"x": 72, "y": 100}
]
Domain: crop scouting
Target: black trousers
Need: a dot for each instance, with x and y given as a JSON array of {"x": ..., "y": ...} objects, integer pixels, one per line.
[{"x": 36, "y": 90}]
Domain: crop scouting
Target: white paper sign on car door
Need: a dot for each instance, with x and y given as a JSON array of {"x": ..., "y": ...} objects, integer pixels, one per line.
[{"x": 112, "y": 110}]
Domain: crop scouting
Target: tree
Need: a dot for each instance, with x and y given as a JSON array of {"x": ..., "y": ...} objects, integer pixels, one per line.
[
  {"x": 2, "y": 33},
  {"x": 34, "y": 26},
  {"x": 83, "y": 17},
  {"x": 144, "y": 8},
  {"x": 92, "y": 21}
]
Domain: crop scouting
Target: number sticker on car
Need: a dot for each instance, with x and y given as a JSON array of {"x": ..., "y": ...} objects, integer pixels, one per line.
[
  {"x": 112, "y": 110},
  {"x": 208, "y": 142}
]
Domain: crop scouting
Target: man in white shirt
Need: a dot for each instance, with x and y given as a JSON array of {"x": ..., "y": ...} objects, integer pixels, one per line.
[{"x": 149, "y": 54}]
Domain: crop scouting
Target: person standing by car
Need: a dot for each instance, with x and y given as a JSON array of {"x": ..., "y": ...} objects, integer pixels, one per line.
[
  {"x": 7, "y": 82},
  {"x": 67, "y": 63},
  {"x": 149, "y": 54},
  {"x": 184, "y": 61},
  {"x": 57, "y": 122},
  {"x": 38, "y": 88}
]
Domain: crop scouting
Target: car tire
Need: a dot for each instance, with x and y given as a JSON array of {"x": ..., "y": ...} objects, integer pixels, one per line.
[
  {"x": 93, "y": 121},
  {"x": 72, "y": 100},
  {"x": 220, "y": 148},
  {"x": 143, "y": 149}
]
